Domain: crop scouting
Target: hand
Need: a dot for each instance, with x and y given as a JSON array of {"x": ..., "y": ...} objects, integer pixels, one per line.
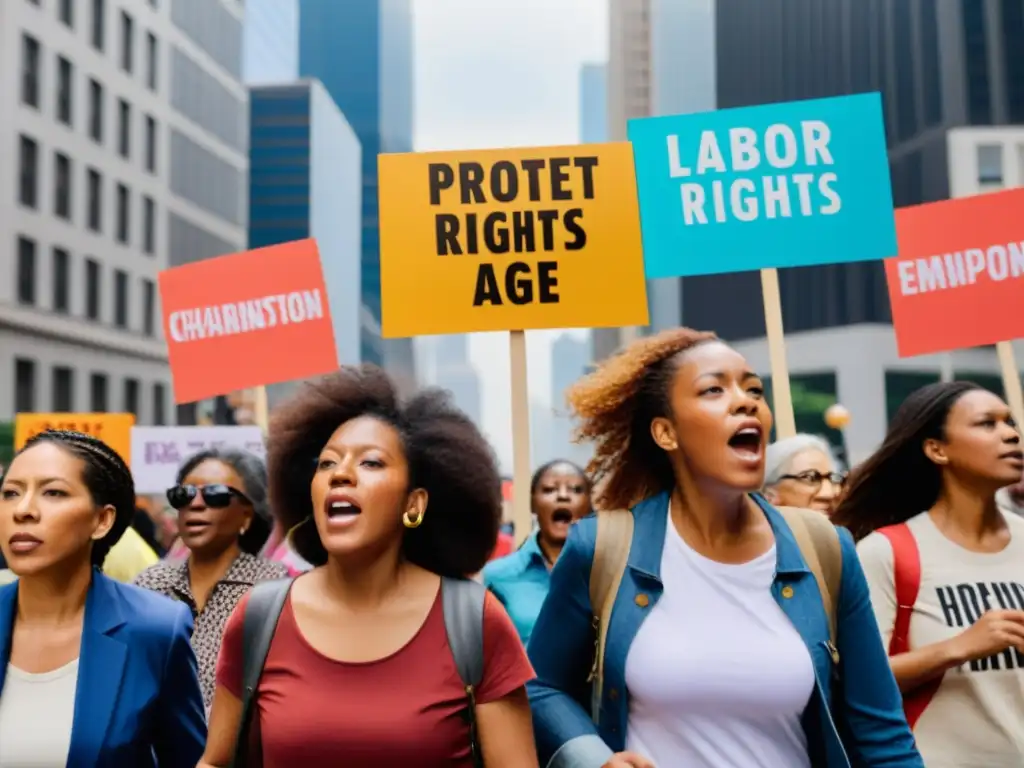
[
  {"x": 993, "y": 633},
  {"x": 628, "y": 760}
]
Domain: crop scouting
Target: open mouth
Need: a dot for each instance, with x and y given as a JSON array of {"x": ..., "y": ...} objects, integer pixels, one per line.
[
  {"x": 342, "y": 511},
  {"x": 747, "y": 441},
  {"x": 562, "y": 516}
]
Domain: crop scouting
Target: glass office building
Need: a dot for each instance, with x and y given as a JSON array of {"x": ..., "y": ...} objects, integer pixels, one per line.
[
  {"x": 361, "y": 50},
  {"x": 270, "y": 46},
  {"x": 306, "y": 181}
]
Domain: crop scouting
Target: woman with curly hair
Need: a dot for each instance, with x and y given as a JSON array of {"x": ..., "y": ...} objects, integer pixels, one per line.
[
  {"x": 718, "y": 650},
  {"x": 394, "y": 503},
  {"x": 945, "y": 567},
  {"x": 93, "y": 672}
]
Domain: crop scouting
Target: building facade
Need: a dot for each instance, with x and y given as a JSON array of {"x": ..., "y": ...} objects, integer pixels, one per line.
[
  {"x": 305, "y": 181},
  {"x": 111, "y": 168},
  {"x": 362, "y": 53},
  {"x": 938, "y": 110},
  {"x": 593, "y": 103},
  {"x": 570, "y": 361},
  {"x": 453, "y": 371},
  {"x": 270, "y": 46}
]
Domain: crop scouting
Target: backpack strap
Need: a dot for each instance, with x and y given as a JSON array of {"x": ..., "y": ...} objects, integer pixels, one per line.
[
  {"x": 819, "y": 544},
  {"x": 611, "y": 554},
  {"x": 462, "y": 601},
  {"x": 263, "y": 609},
  {"x": 906, "y": 562}
]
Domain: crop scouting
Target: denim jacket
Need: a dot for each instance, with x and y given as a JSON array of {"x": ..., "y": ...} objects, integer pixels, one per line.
[{"x": 866, "y": 706}]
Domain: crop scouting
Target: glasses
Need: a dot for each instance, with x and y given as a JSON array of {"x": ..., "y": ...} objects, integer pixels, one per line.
[
  {"x": 216, "y": 495},
  {"x": 815, "y": 478}
]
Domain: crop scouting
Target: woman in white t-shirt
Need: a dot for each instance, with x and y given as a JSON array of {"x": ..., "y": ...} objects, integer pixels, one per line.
[{"x": 932, "y": 537}]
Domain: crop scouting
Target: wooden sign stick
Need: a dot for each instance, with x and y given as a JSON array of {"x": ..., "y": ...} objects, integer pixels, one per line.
[
  {"x": 522, "y": 517},
  {"x": 261, "y": 409},
  {"x": 782, "y": 407},
  {"x": 1011, "y": 381}
]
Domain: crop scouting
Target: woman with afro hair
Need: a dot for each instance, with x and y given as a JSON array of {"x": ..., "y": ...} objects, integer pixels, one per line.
[
  {"x": 390, "y": 501},
  {"x": 718, "y": 650}
]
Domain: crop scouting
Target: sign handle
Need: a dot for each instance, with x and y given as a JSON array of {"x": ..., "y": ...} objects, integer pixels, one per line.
[
  {"x": 1011, "y": 381},
  {"x": 782, "y": 407},
  {"x": 261, "y": 409},
  {"x": 522, "y": 518}
]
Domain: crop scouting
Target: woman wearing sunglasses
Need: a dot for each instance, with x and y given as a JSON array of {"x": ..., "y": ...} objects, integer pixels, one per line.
[{"x": 223, "y": 519}]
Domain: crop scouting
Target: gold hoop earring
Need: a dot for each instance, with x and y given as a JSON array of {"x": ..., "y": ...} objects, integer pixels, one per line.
[{"x": 412, "y": 522}]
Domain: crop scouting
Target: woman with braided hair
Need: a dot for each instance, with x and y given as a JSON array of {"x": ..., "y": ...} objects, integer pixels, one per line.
[
  {"x": 93, "y": 673},
  {"x": 717, "y": 653}
]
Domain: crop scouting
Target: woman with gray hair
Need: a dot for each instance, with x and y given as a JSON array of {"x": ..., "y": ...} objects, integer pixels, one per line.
[
  {"x": 802, "y": 471},
  {"x": 224, "y": 520}
]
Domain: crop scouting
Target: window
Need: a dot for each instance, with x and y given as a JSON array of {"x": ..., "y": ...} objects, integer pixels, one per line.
[
  {"x": 98, "y": 393},
  {"x": 92, "y": 289},
  {"x": 30, "y": 71},
  {"x": 26, "y": 271},
  {"x": 150, "y": 144},
  {"x": 95, "y": 111},
  {"x": 151, "y": 61},
  {"x": 990, "y": 166},
  {"x": 61, "y": 280},
  {"x": 66, "y": 12},
  {"x": 24, "y": 385},
  {"x": 975, "y": 41},
  {"x": 131, "y": 396},
  {"x": 63, "y": 389},
  {"x": 124, "y": 128},
  {"x": 99, "y": 22},
  {"x": 65, "y": 85},
  {"x": 123, "y": 207},
  {"x": 28, "y": 177},
  {"x": 127, "y": 41},
  {"x": 148, "y": 307},
  {"x": 159, "y": 405},
  {"x": 120, "y": 298},
  {"x": 148, "y": 225},
  {"x": 62, "y": 185},
  {"x": 95, "y": 184}
]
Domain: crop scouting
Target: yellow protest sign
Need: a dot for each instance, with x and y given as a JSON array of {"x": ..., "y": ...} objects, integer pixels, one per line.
[
  {"x": 510, "y": 239},
  {"x": 114, "y": 429}
]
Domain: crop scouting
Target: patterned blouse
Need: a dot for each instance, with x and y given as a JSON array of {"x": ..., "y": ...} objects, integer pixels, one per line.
[{"x": 171, "y": 579}]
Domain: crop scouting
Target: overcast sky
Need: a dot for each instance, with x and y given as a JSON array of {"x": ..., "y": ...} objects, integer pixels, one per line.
[{"x": 503, "y": 73}]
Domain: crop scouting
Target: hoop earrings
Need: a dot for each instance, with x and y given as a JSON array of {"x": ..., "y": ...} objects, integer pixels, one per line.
[{"x": 412, "y": 522}]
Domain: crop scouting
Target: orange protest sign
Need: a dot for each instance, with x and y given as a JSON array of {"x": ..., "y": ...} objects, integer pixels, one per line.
[
  {"x": 958, "y": 280},
  {"x": 247, "y": 319},
  {"x": 114, "y": 429},
  {"x": 510, "y": 239}
]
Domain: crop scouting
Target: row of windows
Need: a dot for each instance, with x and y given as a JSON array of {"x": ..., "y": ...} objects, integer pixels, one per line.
[
  {"x": 63, "y": 400},
  {"x": 96, "y": 107},
  {"x": 64, "y": 198},
  {"x": 214, "y": 29},
  {"x": 61, "y": 273}
]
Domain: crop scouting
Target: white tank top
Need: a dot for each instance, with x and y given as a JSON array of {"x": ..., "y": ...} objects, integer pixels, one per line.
[{"x": 36, "y": 714}]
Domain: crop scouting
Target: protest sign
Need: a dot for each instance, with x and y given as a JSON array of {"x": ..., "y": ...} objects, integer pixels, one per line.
[
  {"x": 778, "y": 185},
  {"x": 158, "y": 452},
  {"x": 958, "y": 280},
  {"x": 114, "y": 429},
  {"x": 509, "y": 240},
  {"x": 247, "y": 319}
]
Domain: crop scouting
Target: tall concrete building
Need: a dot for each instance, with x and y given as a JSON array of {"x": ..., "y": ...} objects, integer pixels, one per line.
[
  {"x": 123, "y": 152},
  {"x": 948, "y": 119},
  {"x": 361, "y": 50}
]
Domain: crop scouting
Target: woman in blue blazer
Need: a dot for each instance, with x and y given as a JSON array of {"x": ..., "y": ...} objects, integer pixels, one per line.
[
  {"x": 718, "y": 650},
  {"x": 93, "y": 673}
]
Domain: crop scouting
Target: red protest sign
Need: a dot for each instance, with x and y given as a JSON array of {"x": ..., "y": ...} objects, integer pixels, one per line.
[
  {"x": 247, "y": 319},
  {"x": 958, "y": 280}
]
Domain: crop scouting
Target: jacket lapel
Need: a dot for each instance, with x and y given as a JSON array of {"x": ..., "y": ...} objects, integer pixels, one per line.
[
  {"x": 100, "y": 672},
  {"x": 8, "y": 610}
]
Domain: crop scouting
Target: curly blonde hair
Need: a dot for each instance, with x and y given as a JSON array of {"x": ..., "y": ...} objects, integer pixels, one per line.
[{"x": 615, "y": 406}]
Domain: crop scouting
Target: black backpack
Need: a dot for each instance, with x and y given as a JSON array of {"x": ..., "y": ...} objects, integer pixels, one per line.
[{"x": 463, "y": 605}]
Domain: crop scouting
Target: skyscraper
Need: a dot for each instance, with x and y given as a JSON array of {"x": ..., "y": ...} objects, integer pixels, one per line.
[
  {"x": 570, "y": 360},
  {"x": 454, "y": 371},
  {"x": 593, "y": 103},
  {"x": 124, "y": 152},
  {"x": 270, "y": 49},
  {"x": 361, "y": 50}
]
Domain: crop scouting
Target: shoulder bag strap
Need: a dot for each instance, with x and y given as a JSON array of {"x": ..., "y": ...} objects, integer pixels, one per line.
[
  {"x": 906, "y": 566},
  {"x": 266, "y": 600},
  {"x": 463, "y": 603},
  {"x": 611, "y": 554},
  {"x": 819, "y": 544}
]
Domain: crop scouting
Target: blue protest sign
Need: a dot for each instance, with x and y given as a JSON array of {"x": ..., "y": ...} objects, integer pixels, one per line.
[{"x": 780, "y": 185}]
